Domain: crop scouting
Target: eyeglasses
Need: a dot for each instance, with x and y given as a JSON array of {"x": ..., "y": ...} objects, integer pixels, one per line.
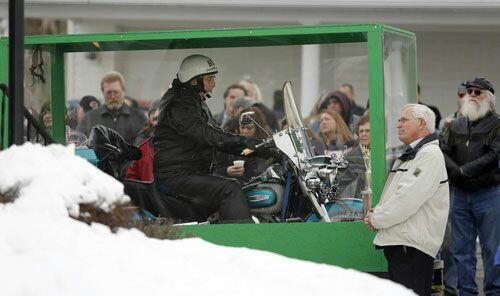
[{"x": 476, "y": 92}]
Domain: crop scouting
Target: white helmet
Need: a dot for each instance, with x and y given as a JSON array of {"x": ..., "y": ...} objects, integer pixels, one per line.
[{"x": 195, "y": 65}]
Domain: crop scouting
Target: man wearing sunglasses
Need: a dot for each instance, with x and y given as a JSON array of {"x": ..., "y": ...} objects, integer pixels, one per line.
[{"x": 471, "y": 147}]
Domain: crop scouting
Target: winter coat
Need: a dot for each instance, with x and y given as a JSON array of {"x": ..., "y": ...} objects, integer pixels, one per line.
[
  {"x": 187, "y": 137},
  {"x": 475, "y": 147},
  {"x": 414, "y": 205},
  {"x": 142, "y": 169},
  {"x": 128, "y": 122},
  {"x": 254, "y": 166}
]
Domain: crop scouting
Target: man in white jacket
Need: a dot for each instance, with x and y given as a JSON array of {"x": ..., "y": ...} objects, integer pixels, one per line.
[{"x": 412, "y": 212}]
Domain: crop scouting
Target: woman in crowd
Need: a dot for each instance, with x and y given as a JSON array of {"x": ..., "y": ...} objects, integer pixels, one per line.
[
  {"x": 333, "y": 134},
  {"x": 45, "y": 121},
  {"x": 253, "y": 166}
]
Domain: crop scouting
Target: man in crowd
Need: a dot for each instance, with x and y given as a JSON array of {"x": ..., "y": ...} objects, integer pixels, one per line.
[
  {"x": 471, "y": 146},
  {"x": 348, "y": 90},
  {"x": 230, "y": 94},
  {"x": 338, "y": 102},
  {"x": 253, "y": 92},
  {"x": 413, "y": 209},
  {"x": 186, "y": 139},
  {"x": 114, "y": 114}
]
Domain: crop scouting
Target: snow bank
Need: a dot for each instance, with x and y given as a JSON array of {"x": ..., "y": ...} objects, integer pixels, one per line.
[{"x": 44, "y": 252}]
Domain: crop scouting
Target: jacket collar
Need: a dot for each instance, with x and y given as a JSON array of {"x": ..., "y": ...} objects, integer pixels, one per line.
[
  {"x": 484, "y": 125},
  {"x": 125, "y": 109},
  {"x": 411, "y": 153}
]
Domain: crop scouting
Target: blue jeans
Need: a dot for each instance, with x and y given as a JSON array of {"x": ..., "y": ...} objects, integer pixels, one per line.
[
  {"x": 450, "y": 267},
  {"x": 476, "y": 212}
]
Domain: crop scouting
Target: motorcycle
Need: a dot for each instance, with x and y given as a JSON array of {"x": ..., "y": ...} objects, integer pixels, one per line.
[
  {"x": 299, "y": 187},
  {"x": 314, "y": 178}
]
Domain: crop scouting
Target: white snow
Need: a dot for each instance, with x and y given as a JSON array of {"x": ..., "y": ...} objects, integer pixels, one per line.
[{"x": 45, "y": 252}]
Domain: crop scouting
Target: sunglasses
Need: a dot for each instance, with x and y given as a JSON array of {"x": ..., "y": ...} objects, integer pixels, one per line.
[{"x": 476, "y": 92}]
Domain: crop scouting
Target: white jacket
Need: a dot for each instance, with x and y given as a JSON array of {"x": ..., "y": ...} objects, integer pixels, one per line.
[{"x": 414, "y": 206}]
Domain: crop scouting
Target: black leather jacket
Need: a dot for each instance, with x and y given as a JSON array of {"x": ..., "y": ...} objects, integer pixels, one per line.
[
  {"x": 186, "y": 136},
  {"x": 475, "y": 147}
]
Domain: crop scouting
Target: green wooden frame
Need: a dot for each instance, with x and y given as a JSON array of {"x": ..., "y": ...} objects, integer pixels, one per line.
[{"x": 344, "y": 244}]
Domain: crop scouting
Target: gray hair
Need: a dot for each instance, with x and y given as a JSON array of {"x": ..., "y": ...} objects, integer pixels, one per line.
[
  {"x": 425, "y": 113},
  {"x": 492, "y": 99}
]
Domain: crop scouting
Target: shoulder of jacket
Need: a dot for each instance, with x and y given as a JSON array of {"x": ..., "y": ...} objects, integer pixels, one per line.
[{"x": 459, "y": 125}]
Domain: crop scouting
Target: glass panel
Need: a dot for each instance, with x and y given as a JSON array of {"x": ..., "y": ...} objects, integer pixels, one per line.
[
  {"x": 262, "y": 71},
  {"x": 37, "y": 93},
  {"x": 399, "y": 84}
]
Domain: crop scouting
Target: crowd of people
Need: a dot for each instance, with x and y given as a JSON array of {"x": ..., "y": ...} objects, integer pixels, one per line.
[{"x": 445, "y": 186}]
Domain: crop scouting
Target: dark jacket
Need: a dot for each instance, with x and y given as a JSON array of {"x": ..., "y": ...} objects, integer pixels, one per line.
[
  {"x": 187, "y": 137},
  {"x": 475, "y": 147},
  {"x": 126, "y": 121},
  {"x": 357, "y": 109},
  {"x": 254, "y": 166},
  {"x": 320, "y": 146}
]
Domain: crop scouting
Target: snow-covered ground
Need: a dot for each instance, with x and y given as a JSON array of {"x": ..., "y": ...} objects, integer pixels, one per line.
[{"x": 45, "y": 252}]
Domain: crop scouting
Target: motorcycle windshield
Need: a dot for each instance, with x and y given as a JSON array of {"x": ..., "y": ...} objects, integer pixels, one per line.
[
  {"x": 293, "y": 141},
  {"x": 293, "y": 116}
]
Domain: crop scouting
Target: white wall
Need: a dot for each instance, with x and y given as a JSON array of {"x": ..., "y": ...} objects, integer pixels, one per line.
[
  {"x": 83, "y": 75},
  {"x": 446, "y": 59}
]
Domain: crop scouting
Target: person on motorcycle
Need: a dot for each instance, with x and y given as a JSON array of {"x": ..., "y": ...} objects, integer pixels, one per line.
[
  {"x": 253, "y": 165},
  {"x": 186, "y": 140}
]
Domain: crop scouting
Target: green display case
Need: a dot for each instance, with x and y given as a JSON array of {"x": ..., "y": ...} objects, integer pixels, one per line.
[{"x": 390, "y": 73}]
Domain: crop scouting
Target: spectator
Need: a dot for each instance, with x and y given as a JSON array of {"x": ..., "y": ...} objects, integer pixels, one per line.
[
  {"x": 86, "y": 104},
  {"x": 352, "y": 179},
  {"x": 433, "y": 108},
  {"x": 337, "y": 101},
  {"x": 131, "y": 102},
  {"x": 142, "y": 169},
  {"x": 348, "y": 90},
  {"x": 241, "y": 104},
  {"x": 254, "y": 165},
  {"x": 253, "y": 92},
  {"x": 471, "y": 146},
  {"x": 251, "y": 88},
  {"x": 411, "y": 214},
  {"x": 45, "y": 120},
  {"x": 232, "y": 125},
  {"x": 333, "y": 134},
  {"x": 450, "y": 267},
  {"x": 114, "y": 114},
  {"x": 461, "y": 91},
  {"x": 231, "y": 93}
]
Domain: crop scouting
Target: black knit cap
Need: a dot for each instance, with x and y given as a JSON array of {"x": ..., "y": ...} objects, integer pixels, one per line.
[
  {"x": 85, "y": 103},
  {"x": 481, "y": 83}
]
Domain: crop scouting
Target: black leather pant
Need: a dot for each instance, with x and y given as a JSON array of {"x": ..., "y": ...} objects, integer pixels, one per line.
[{"x": 197, "y": 196}]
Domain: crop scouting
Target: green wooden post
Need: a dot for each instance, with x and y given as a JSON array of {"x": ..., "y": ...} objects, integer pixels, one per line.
[
  {"x": 57, "y": 92},
  {"x": 377, "y": 116},
  {"x": 4, "y": 78}
]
